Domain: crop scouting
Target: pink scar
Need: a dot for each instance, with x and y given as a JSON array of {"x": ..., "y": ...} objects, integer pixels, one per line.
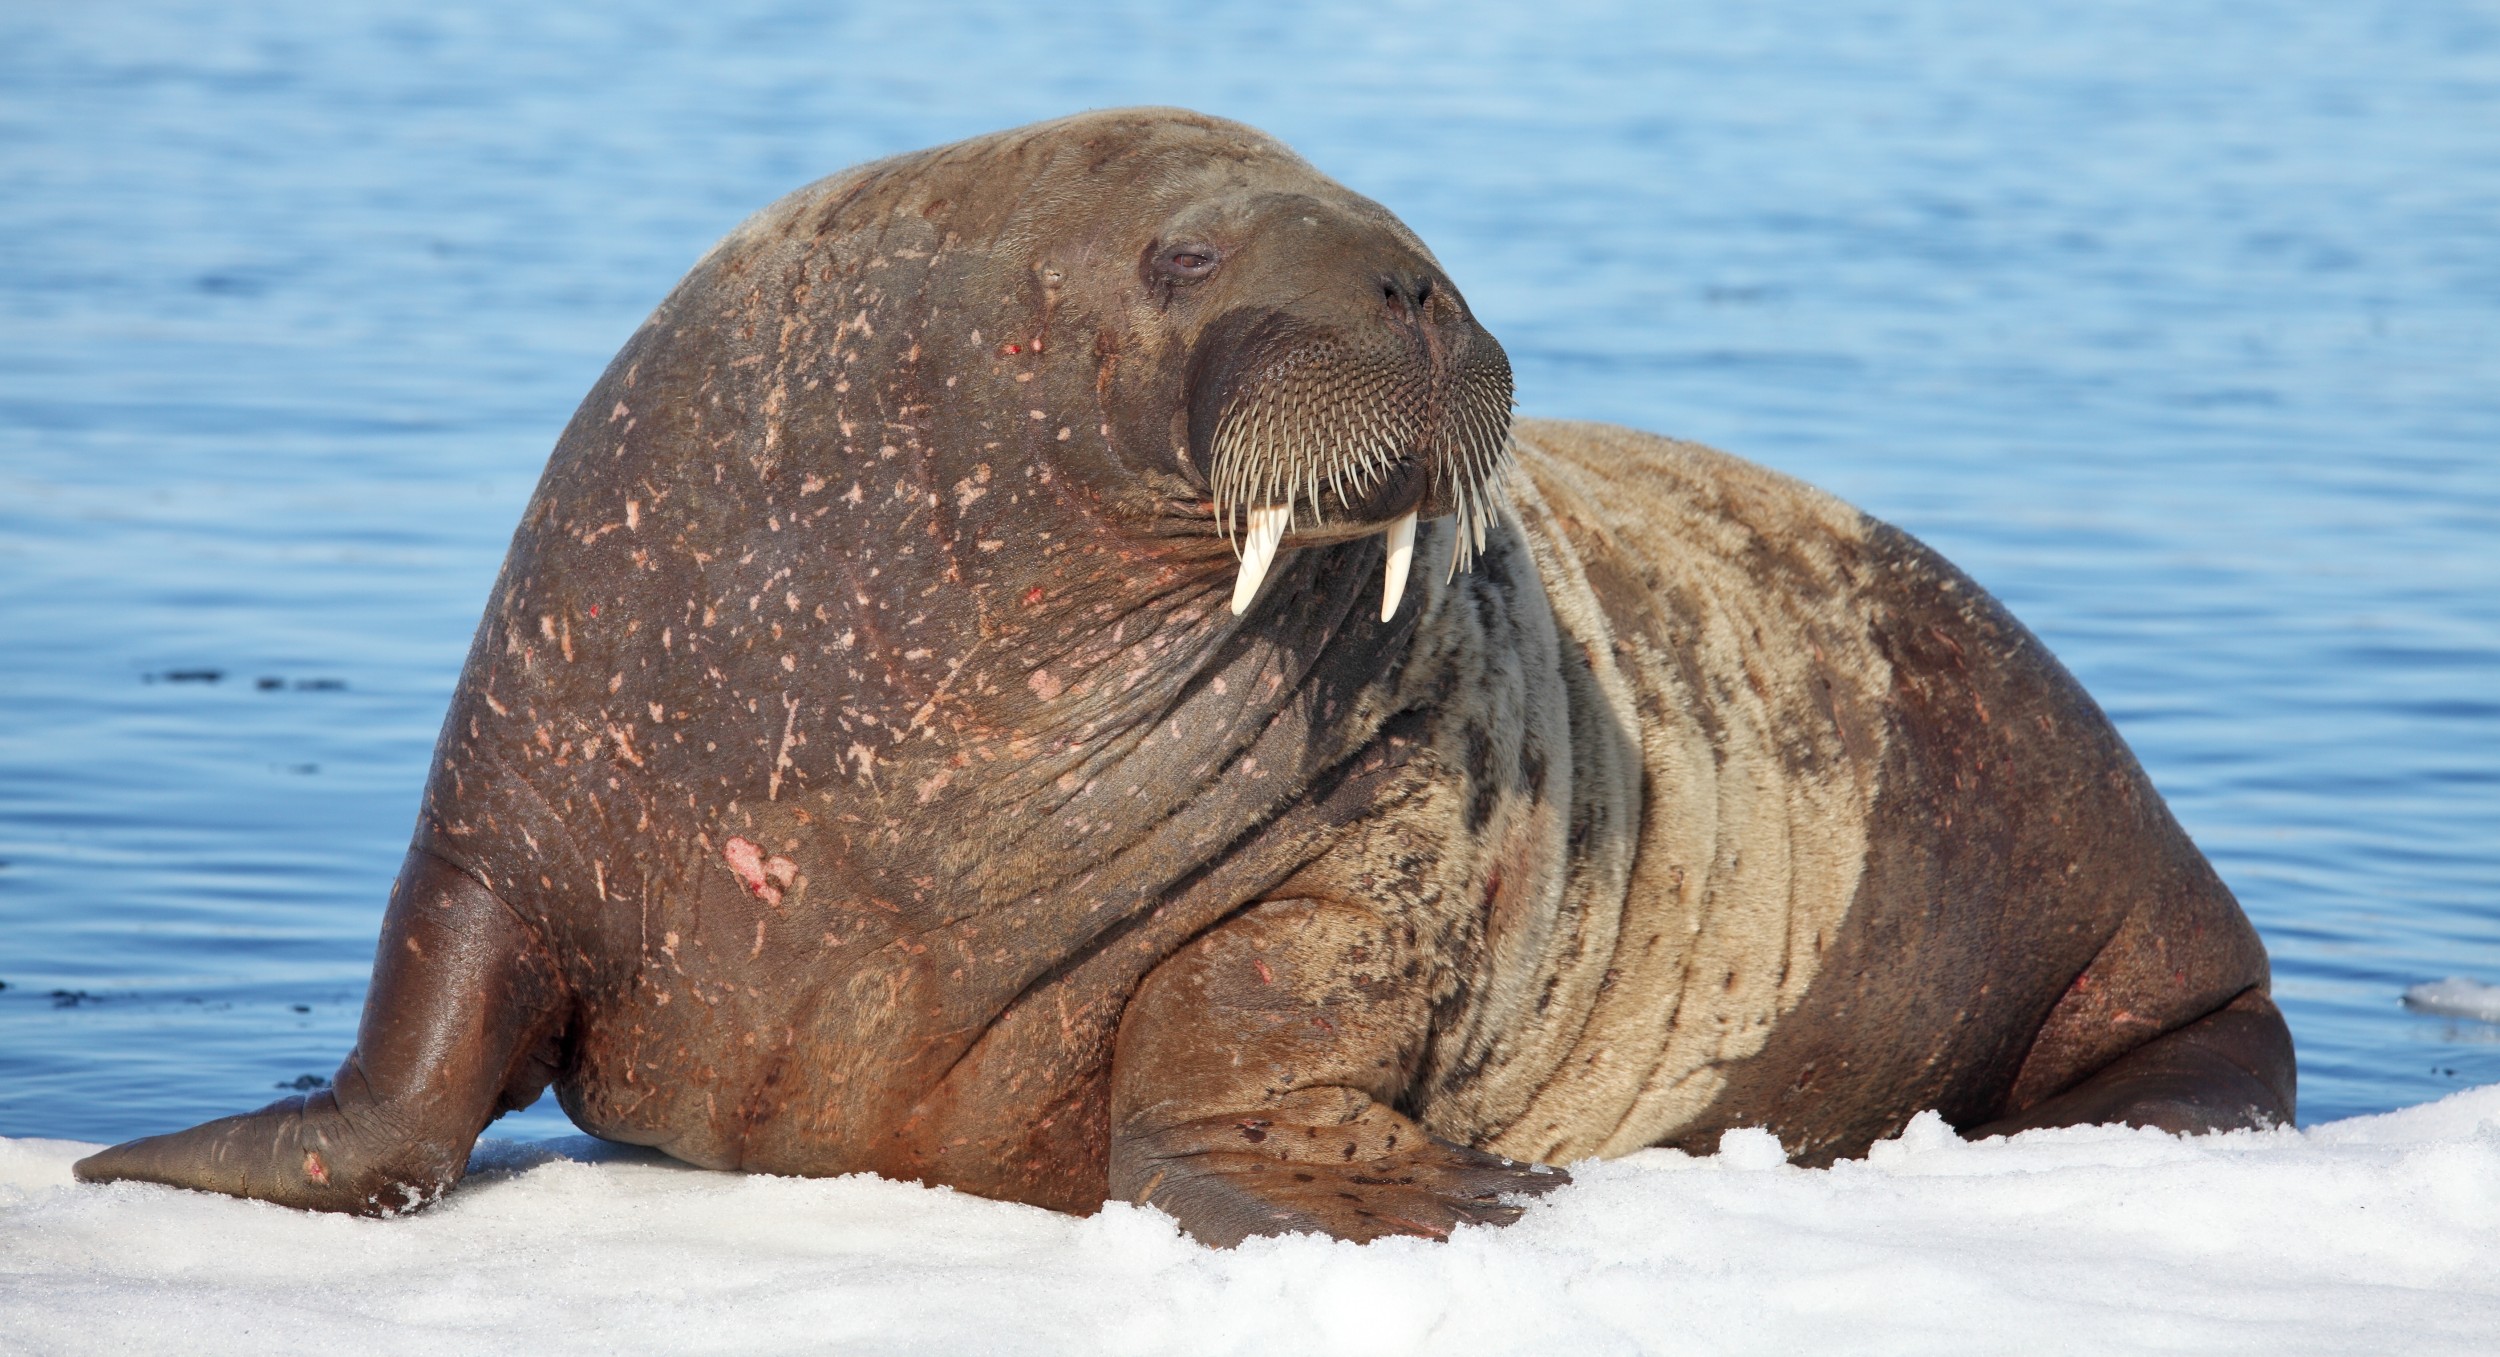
[{"x": 764, "y": 877}]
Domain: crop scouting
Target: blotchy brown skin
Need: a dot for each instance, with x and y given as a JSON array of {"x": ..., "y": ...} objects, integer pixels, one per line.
[{"x": 858, "y": 767}]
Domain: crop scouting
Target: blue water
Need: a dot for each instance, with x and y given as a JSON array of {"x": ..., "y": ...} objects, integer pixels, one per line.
[{"x": 2176, "y": 324}]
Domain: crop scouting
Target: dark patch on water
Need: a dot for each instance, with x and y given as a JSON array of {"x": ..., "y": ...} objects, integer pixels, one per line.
[{"x": 231, "y": 284}]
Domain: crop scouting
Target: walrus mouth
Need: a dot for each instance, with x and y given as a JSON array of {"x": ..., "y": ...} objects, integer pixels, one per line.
[{"x": 1375, "y": 435}]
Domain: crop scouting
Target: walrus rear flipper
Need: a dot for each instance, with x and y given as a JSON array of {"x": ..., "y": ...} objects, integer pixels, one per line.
[
  {"x": 1251, "y": 1083},
  {"x": 2170, "y": 1025},
  {"x": 2229, "y": 1070},
  {"x": 454, "y": 1032}
]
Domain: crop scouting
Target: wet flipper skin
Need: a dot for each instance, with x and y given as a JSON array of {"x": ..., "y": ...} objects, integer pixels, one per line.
[
  {"x": 457, "y": 1029},
  {"x": 1251, "y": 1082},
  {"x": 1327, "y": 1161}
]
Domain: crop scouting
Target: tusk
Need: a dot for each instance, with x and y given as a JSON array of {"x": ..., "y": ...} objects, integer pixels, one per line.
[
  {"x": 1401, "y": 559},
  {"x": 1258, "y": 549}
]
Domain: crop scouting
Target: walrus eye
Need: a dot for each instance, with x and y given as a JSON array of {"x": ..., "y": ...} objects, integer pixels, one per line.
[{"x": 1187, "y": 263}]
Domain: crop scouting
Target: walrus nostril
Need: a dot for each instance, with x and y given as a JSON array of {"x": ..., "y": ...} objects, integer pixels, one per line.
[{"x": 1409, "y": 295}]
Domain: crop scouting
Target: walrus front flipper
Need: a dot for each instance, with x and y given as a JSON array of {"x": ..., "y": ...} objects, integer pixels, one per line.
[
  {"x": 2229, "y": 1070},
  {"x": 462, "y": 1006},
  {"x": 1252, "y": 1080}
]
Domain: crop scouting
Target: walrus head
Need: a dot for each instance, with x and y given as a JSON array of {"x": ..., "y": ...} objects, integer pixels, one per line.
[
  {"x": 1282, "y": 363},
  {"x": 1338, "y": 384}
]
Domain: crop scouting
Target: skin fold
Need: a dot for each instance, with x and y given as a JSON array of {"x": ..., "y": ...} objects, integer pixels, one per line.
[{"x": 863, "y": 765}]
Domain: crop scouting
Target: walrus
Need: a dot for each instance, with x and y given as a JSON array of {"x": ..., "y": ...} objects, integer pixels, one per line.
[{"x": 1048, "y": 667}]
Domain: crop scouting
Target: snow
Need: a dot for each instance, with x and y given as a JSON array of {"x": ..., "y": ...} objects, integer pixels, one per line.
[
  {"x": 2456, "y": 998},
  {"x": 2365, "y": 1236}
]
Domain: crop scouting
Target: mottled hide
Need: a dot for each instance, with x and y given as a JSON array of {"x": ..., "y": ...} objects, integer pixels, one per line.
[{"x": 1045, "y": 667}]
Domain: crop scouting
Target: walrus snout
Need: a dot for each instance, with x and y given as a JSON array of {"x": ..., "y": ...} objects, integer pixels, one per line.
[{"x": 1337, "y": 426}]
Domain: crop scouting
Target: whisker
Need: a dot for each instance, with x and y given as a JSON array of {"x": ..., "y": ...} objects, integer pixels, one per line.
[{"x": 1320, "y": 422}]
